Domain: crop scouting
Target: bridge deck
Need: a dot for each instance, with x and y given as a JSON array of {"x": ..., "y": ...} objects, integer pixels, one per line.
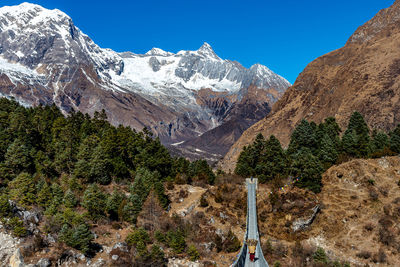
[{"x": 251, "y": 230}]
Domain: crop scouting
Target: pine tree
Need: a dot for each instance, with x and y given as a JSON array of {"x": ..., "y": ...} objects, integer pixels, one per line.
[
  {"x": 17, "y": 158},
  {"x": 79, "y": 237},
  {"x": 94, "y": 200},
  {"x": 327, "y": 152},
  {"x": 272, "y": 161},
  {"x": 83, "y": 167},
  {"x": 5, "y": 208},
  {"x": 70, "y": 200},
  {"x": 44, "y": 195},
  {"x": 306, "y": 166},
  {"x": 23, "y": 189},
  {"x": 349, "y": 143},
  {"x": 100, "y": 167},
  {"x": 303, "y": 136},
  {"x": 114, "y": 202},
  {"x": 358, "y": 126},
  {"x": 394, "y": 142},
  {"x": 379, "y": 141},
  {"x": 132, "y": 208}
]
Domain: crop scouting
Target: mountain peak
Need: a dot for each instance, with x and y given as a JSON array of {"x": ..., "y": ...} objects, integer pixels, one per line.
[
  {"x": 206, "y": 47},
  {"x": 206, "y": 50},
  {"x": 26, "y": 7},
  {"x": 158, "y": 52}
]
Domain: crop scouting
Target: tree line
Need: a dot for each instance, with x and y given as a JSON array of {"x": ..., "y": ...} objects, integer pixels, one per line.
[
  {"x": 62, "y": 164},
  {"x": 313, "y": 148}
]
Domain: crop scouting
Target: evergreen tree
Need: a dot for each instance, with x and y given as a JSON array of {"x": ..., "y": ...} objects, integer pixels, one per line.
[
  {"x": 5, "y": 208},
  {"x": 243, "y": 167},
  {"x": 358, "y": 126},
  {"x": 327, "y": 152},
  {"x": 394, "y": 142},
  {"x": 114, "y": 202},
  {"x": 100, "y": 167},
  {"x": 176, "y": 241},
  {"x": 44, "y": 194},
  {"x": 132, "y": 208},
  {"x": 83, "y": 167},
  {"x": 23, "y": 189},
  {"x": 349, "y": 143},
  {"x": 17, "y": 158},
  {"x": 309, "y": 169},
  {"x": 79, "y": 237},
  {"x": 379, "y": 141},
  {"x": 94, "y": 200},
  {"x": 303, "y": 136},
  {"x": 201, "y": 171},
  {"x": 70, "y": 200},
  {"x": 272, "y": 161}
]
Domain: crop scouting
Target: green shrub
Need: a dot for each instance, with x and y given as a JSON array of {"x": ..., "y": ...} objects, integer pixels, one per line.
[
  {"x": 157, "y": 255},
  {"x": 176, "y": 241},
  {"x": 320, "y": 256},
  {"x": 193, "y": 253},
  {"x": 139, "y": 235},
  {"x": 70, "y": 200},
  {"x": 5, "y": 207},
  {"x": 17, "y": 226},
  {"x": 79, "y": 238},
  {"x": 159, "y": 236}
]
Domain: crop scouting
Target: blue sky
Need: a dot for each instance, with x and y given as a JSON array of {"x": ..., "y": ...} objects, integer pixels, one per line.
[{"x": 284, "y": 35}]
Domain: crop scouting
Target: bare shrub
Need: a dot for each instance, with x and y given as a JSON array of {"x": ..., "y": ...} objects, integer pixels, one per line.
[
  {"x": 280, "y": 250},
  {"x": 369, "y": 227},
  {"x": 373, "y": 194},
  {"x": 183, "y": 193},
  {"x": 384, "y": 191},
  {"x": 364, "y": 254},
  {"x": 386, "y": 237}
]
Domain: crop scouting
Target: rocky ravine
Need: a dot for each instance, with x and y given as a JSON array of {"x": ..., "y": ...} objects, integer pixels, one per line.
[
  {"x": 45, "y": 59},
  {"x": 362, "y": 76}
]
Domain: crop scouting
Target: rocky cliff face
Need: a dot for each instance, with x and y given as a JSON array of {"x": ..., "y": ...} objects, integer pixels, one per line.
[
  {"x": 362, "y": 76},
  {"x": 45, "y": 59}
]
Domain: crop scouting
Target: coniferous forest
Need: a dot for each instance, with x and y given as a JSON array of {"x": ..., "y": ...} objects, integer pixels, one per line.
[
  {"x": 313, "y": 149},
  {"x": 65, "y": 167}
]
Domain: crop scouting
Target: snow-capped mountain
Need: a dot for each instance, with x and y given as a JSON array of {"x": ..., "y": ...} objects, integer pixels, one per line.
[{"x": 45, "y": 58}]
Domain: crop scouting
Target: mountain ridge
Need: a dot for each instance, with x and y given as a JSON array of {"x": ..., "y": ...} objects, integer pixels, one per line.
[{"x": 49, "y": 60}]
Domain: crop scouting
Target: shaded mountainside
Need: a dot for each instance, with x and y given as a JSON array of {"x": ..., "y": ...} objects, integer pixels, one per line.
[
  {"x": 362, "y": 76},
  {"x": 45, "y": 59},
  {"x": 214, "y": 143}
]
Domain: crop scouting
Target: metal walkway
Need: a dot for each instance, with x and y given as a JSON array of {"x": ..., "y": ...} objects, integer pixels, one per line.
[{"x": 243, "y": 259}]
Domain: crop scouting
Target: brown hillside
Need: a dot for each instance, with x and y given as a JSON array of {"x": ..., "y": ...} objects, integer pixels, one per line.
[
  {"x": 362, "y": 76},
  {"x": 358, "y": 221}
]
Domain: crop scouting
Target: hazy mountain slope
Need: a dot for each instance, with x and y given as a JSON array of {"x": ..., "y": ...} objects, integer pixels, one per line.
[{"x": 362, "y": 76}]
